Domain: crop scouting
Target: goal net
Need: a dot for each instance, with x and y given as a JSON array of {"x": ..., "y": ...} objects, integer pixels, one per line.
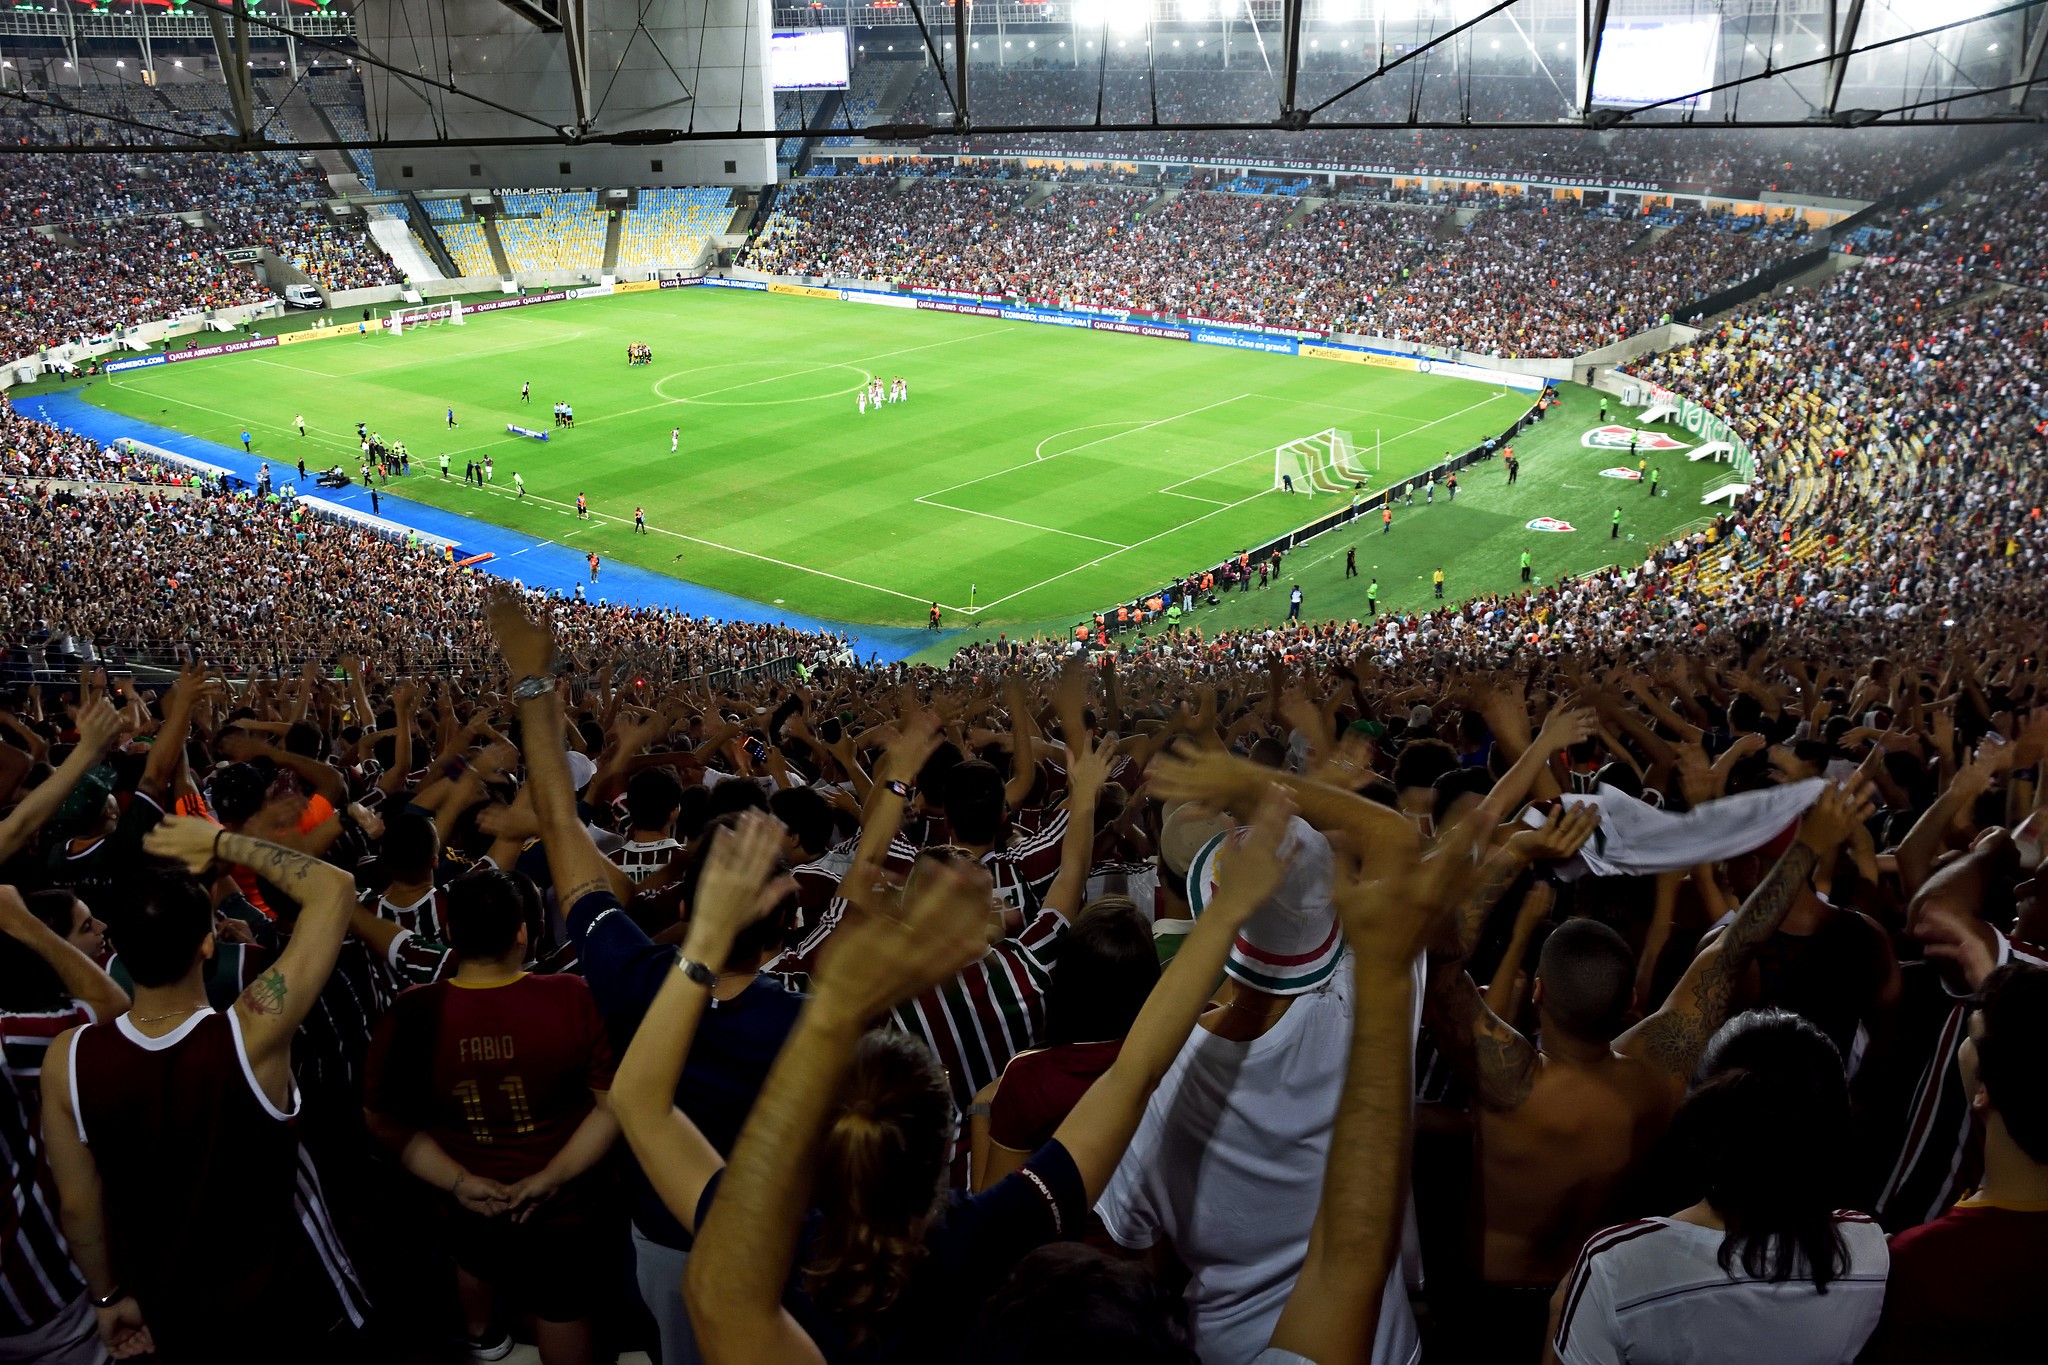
[
  {"x": 1326, "y": 462},
  {"x": 403, "y": 320}
]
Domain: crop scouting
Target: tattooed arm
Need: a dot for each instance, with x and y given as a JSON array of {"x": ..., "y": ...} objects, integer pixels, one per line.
[
  {"x": 1672, "y": 1039},
  {"x": 1498, "y": 1063},
  {"x": 277, "y": 1002}
]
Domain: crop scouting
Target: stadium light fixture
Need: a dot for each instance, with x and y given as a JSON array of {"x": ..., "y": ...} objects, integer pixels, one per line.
[
  {"x": 1496, "y": 44},
  {"x": 119, "y": 63},
  {"x": 1994, "y": 47}
]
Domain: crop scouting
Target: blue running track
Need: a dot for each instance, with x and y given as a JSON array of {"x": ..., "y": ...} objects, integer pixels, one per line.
[{"x": 535, "y": 563}]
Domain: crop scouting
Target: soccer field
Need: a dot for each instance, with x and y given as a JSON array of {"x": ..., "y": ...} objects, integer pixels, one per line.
[{"x": 1046, "y": 471}]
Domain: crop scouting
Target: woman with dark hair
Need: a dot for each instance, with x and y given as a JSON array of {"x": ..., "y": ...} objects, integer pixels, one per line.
[
  {"x": 853, "y": 1125},
  {"x": 1107, "y": 966},
  {"x": 1764, "y": 1266}
]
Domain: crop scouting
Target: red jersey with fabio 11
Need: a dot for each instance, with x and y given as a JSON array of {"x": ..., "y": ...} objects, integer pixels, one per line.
[{"x": 499, "y": 1075}]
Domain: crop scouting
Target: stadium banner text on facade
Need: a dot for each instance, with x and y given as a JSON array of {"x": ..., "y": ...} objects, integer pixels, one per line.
[
  {"x": 192, "y": 353},
  {"x": 1702, "y": 422}
]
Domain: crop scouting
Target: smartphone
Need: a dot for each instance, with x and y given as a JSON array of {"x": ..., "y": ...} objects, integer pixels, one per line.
[
  {"x": 831, "y": 730},
  {"x": 756, "y": 750}
]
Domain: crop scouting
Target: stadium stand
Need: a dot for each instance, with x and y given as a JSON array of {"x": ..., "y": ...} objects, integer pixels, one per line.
[
  {"x": 1723, "y": 984},
  {"x": 552, "y": 230},
  {"x": 1595, "y": 278},
  {"x": 465, "y": 242},
  {"x": 669, "y": 226}
]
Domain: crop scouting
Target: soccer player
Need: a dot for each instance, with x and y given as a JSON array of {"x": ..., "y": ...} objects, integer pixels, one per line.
[
  {"x": 1351, "y": 563},
  {"x": 493, "y": 1087},
  {"x": 934, "y": 617},
  {"x": 1451, "y": 486},
  {"x": 526, "y": 392},
  {"x": 490, "y": 470},
  {"x": 675, "y": 439},
  {"x": 1387, "y": 517},
  {"x": 1287, "y": 483},
  {"x": 582, "y": 508},
  {"x": 1429, "y": 491},
  {"x": 639, "y": 521},
  {"x": 519, "y": 484},
  {"x": 860, "y": 398},
  {"x": 245, "y": 443},
  {"x": 444, "y": 464},
  {"x": 300, "y": 422},
  {"x": 451, "y": 417}
]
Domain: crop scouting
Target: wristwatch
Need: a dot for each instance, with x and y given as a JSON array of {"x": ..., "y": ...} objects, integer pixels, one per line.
[
  {"x": 109, "y": 1299},
  {"x": 900, "y": 790},
  {"x": 532, "y": 686},
  {"x": 696, "y": 971}
]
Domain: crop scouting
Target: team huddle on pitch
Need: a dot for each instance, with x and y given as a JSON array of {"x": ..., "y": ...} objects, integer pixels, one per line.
[{"x": 873, "y": 394}]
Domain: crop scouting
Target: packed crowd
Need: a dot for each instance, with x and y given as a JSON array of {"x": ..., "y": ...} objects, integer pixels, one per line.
[
  {"x": 93, "y": 278},
  {"x": 110, "y": 254},
  {"x": 262, "y": 582},
  {"x": 1518, "y": 280},
  {"x": 37, "y": 450},
  {"x": 1682, "y": 995}
]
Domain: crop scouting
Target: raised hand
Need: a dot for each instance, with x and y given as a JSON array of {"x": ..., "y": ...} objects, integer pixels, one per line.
[
  {"x": 1560, "y": 837},
  {"x": 1841, "y": 807},
  {"x": 733, "y": 890},
  {"x": 892, "y": 951},
  {"x": 183, "y": 838},
  {"x": 916, "y": 738},
  {"x": 1390, "y": 917},
  {"x": 1185, "y": 773},
  {"x": 1567, "y": 724},
  {"x": 527, "y": 646},
  {"x": 99, "y": 725}
]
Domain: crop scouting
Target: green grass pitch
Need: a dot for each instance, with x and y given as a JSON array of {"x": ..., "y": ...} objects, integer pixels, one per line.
[{"x": 1048, "y": 471}]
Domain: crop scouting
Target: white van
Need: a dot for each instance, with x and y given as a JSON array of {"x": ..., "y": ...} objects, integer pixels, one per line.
[{"x": 303, "y": 296}]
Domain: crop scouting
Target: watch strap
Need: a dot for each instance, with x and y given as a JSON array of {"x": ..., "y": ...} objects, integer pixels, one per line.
[{"x": 696, "y": 971}]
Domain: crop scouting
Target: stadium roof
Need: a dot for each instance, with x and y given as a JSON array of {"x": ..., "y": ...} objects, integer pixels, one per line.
[{"x": 1330, "y": 64}]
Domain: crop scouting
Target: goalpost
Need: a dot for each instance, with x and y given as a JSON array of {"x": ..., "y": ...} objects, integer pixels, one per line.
[
  {"x": 1327, "y": 462},
  {"x": 402, "y": 320}
]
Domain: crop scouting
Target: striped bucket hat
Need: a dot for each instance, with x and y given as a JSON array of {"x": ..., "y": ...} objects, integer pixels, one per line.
[{"x": 1291, "y": 944}]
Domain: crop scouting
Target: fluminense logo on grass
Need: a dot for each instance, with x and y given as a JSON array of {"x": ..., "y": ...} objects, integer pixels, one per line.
[
  {"x": 1614, "y": 436},
  {"x": 1551, "y": 524},
  {"x": 1617, "y": 472}
]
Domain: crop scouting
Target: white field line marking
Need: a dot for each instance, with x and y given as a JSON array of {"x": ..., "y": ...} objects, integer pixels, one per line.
[
  {"x": 280, "y": 365},
  {"x": 777, "y": 378},
  {"x": 732, "y": 549},
  {"x": 1146, "y": 426},
  {"x": 249, "y": 424},
  {"x": 1192, "y": 497},
  {"x": 1038, "y": 451},
  {"x": 1103, "y": 559},
  {"x": 1027, "y": 525}
]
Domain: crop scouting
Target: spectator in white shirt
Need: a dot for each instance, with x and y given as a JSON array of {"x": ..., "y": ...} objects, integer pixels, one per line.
[{"x": 1763, "y": 1267}]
